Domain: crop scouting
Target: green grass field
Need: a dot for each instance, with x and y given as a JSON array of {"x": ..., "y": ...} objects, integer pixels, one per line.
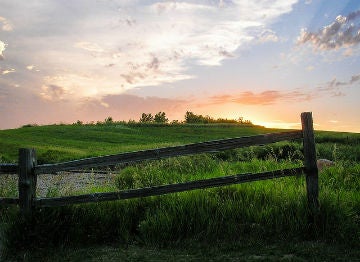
[
  {"x": 263, "y": 220},
  {"x": 64, "y": 142}
]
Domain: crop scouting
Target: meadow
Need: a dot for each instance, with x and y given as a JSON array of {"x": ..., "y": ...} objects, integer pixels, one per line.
[
  {"x": 56, "y": 143},
  {"x": 271, "y": 216}
]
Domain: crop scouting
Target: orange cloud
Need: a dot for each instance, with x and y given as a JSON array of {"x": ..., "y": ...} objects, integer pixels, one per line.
[
  {"x": 332, "y": 88},
  {"x": 264, "y": 98}
]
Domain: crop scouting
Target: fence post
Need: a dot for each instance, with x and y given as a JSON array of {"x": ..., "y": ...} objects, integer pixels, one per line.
[
  {"x": 311, "y": 170},
  {"x": 27, "y": 180}
]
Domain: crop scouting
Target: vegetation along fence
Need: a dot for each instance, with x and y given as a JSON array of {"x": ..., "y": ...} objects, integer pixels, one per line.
[{"x": 27, "y": 169}]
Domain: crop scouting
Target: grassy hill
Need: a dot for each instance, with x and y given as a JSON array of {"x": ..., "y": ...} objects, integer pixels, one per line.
[
  {"x": 64, "y": 142},
  {"x": 55, "y": 143},
  {"x": 273, "y": 212}
]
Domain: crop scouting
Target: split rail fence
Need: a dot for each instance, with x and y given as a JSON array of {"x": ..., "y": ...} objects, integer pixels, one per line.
[{"x": 27, "y": 169}]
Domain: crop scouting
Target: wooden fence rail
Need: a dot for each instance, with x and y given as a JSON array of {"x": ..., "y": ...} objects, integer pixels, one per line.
[
  {"x": 166, "y": 189},
  {"x": 8, "y": 169},
  {"x": 27, "y": 169},
  {"x": 166, "y": 152}
]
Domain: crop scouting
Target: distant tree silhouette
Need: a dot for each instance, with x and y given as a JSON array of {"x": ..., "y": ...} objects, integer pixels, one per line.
[
  {"x": 146, "y": 118},
  {"x": 191, "y": 118},
  {"x": 109, "y": 120},
  {"x": 160, "y": 117}
]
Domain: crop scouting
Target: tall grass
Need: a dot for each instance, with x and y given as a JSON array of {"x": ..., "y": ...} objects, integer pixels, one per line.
[{"x": 273, "y": 210}]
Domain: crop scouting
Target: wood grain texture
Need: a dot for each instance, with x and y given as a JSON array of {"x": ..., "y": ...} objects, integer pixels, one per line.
[
  {"x": 27, "y": 179},
  {"x": 311, "y": 170}
]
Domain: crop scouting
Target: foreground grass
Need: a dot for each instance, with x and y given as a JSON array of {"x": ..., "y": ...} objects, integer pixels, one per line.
[
  {"x": 272, "y": 211},
  {"x": 243, "y": 218},
  {"x": 257, "y": 251}
]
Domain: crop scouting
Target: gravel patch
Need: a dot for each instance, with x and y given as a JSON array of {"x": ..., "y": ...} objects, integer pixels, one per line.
[
  {"x": 62, "y": 183},
  {"x": 65, "y": 183}
]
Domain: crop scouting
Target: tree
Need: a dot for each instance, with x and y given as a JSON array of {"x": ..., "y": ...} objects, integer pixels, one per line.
[
  {"x": 191, "y": 118},
  {"x": 109, "y": 120},
  {"x": 146, "y": 118},
  {"x": 160, "y": 117}
]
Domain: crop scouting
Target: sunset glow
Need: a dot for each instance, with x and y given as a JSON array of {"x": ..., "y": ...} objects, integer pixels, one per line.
[{"x": 266, "y": 61}]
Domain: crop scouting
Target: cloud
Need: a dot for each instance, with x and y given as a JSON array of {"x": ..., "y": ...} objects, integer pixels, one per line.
[
  {"x": 310, "y": 68},
  {"x": 354, "y": 79},
  {"x": 264, "y": 98},
  {"x": 19, "y": 106},
  {"x": 343, "y": 32},
  {"x": 154, "y": 64},
  {"x": 268, "y": 36},
  {"x": 348, "y": 52},
  {"x": 6, "y": 71},
  {"x": 127, "y": 106},
  {"x": 70, "y": 86},
  {"x": 333, "y": 88},
  {"x": 334, "y": 85},
  {"x": 30, "y": 67},
  {"x": 123, "y": 45},
  {"x": 52, "y": 92},
  {"x": 2, "y": 49},
  {"x": 91, "y": 47},
  {"x": 5, "y": 24},
  {"x": 144, "y": 104},
  {"x": 163, "y": 7}
]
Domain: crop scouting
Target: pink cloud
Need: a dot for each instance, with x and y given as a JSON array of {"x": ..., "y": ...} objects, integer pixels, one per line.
[{"x": 264, "y": 98}]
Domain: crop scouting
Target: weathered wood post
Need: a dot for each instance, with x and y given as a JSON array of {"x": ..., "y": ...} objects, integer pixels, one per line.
[
  {"x": 311, "y": 170},
  {"x": 27, "y": 180}
]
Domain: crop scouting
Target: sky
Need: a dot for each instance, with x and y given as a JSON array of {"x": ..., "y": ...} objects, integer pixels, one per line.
[{"x": 266, "y": 61}]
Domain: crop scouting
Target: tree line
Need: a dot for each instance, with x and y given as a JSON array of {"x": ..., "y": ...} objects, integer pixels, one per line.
[{"x": 161, "y": 118}]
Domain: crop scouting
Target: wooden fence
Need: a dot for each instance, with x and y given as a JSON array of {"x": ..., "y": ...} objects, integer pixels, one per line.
[{"x": 27, "y": 169}]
